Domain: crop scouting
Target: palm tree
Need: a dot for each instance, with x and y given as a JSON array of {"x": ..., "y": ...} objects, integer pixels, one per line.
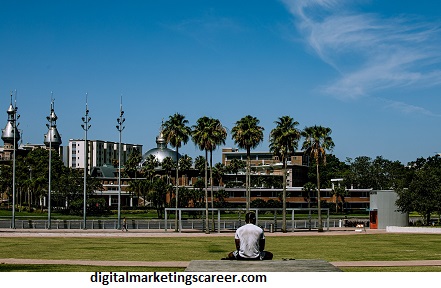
[
  {"x": 176, "y": 132},
  {"x": 317, "y": 141},
  {"x": 185, "y": 163},
  {"x": 219, "y": 134},
  {"x": 219, "y": 171},
  {"x": 168, "y": 165},
  {"x": 283, "y": 142},
  {"x": 207, "y": 134},
  {"x": 247, "y": 134}
]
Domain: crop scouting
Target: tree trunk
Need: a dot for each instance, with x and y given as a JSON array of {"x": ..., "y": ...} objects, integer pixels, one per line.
[
  {"x": 177, "y": 189},
  {"x": 212, "y": 194},
  {"x": 284, "y": 198},
  {"x": 319, "y": 212},
  {"x": 207, "y": 222}
]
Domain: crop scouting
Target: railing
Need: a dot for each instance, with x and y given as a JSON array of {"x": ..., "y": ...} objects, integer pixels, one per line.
[{"x": 188, "y": 224}]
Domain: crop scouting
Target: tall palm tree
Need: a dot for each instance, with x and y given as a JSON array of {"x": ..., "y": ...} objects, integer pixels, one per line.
[
  {"x": 247, "y": 134},
  {"x": 283, "y": 142},
  {"x": 176, "y": 132},
  {"x": 207, "y": 134},
  {"x": 317, "y": 141},
  {"x": 199, "y": 136},
  {"x": 219, "y": 134}
]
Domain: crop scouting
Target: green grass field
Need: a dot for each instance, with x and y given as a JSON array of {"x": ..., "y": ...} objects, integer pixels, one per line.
[{"x": 357, "y": 247}]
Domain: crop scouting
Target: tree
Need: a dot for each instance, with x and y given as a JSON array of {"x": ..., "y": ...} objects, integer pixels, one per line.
[
  {"x": 309, "y": 188},
  {"x": 185, "y": 163},
  {"x": 168, "y": 165},
  {"x": 424, "y": 192},
  {"x": 206, "y": 134},
  {"x": 236, "y": 165},
  {"x": 247, "y": 134},
  {"x": 157, "y": 195},
  {"x": 199, "y": 165},
  {"x": 218, "y": 135},
  {"x": 284, "y": 140},
  {"x": 317, "y": 142},
  {"x": 339, "y": 194},
  {"x": 132, "y": 164},
  {"x": 219, "y": 172},
  {"x": 177, "y": 132}
]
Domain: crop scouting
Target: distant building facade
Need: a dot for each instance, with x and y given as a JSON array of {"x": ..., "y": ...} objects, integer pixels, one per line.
[{"x": 100, "y": 152}]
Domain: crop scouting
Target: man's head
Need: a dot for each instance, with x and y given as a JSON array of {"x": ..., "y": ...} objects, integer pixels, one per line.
[{"x": 250, "y": 217}]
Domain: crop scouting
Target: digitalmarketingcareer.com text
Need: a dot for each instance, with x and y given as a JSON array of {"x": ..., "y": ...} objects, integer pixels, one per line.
[{"x": 105, "y": 278}]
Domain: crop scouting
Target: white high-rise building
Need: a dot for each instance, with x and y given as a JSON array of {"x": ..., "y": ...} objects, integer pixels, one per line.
[{"x": 100, "y": 153}]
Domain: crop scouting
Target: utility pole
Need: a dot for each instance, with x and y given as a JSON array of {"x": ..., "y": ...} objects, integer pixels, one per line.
[
  {"x": 86, "y": 119},
  {"x": 120, "y": 120},
  {"x": 50, "y": 126},
  {"x": 13, "y": 119}
]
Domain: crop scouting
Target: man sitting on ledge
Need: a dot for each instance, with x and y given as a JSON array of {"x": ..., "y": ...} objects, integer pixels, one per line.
[{"x": 250, "y": 242}]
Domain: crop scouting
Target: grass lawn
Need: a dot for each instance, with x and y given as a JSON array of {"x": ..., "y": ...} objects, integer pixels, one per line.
[{"x": 357, "y": 247}]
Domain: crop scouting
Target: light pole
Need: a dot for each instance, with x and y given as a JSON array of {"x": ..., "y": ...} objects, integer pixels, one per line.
[
  {"x": 50, "y": 119},
  {"x": 14, "y": 119},
  {"x": 86, "y": 119},
  {"x": 120, "y": 120}
]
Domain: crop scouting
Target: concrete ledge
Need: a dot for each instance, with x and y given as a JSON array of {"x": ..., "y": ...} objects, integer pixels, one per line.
[
  {"x": 261, "y": 266},
  {"x": 422, "y": 230}
]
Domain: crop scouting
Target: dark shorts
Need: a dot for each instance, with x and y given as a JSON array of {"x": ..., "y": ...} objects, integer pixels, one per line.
[{"x": 238, "y": 257}]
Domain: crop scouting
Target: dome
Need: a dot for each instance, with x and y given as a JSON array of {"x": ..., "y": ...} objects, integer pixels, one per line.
[{"x": 161, "y": 151}]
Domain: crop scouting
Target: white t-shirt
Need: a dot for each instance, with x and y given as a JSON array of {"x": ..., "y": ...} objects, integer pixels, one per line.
[{"x": 249, "y": 235}]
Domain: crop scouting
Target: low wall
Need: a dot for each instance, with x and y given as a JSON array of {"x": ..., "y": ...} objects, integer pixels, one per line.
[{"x": 422, "y": 230}]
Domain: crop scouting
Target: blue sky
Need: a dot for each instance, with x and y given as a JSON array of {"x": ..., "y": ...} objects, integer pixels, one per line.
[{"x": 368, "y": 69}]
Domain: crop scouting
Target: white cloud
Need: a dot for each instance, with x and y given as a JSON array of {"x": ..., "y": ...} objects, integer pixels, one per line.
[{"x": 370, "y": 52}]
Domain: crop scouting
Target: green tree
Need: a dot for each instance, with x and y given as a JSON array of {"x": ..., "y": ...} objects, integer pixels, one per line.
[
  {"x": 199, "y": 165},
  {"x": 131, "y": 166},
  {"x": 339, "y": 194},
  {"x": 219, "y": 172},
  {"x": 424, "y": 192},
  {"x": 177, "y": 132},
  {"x": 235, "y": 166},
  {"x": 167, "y": 165},
  {"x": 157, "y": 195},
  {"x": 247, "y": 134},
  {"x": 317, "y": 141},
  {"x": 284, "y": 140},
  {"x": 203, "y": 138},
  {"x": 309, "y": 188},
  {"x": 185, "y": 163}
]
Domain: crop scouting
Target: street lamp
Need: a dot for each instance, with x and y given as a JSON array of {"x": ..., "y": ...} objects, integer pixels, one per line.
[
  {"x": 86, "y": 119},
  {"x": 51, "y": 120},
  {"x": 13, "y": 119},
  {"x": 120, "y": 120}
]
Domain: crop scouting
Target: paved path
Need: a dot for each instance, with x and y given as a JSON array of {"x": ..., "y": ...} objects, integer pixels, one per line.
[{"x": 184, "y": 264}]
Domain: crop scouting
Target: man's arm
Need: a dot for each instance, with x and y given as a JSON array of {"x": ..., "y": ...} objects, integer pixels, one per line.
[
  {"x": 237, "y": 241},
  {"x": 262, "y": 244}
]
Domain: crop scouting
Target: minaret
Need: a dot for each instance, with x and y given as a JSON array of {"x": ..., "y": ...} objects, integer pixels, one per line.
[
  {"x": 8, "y": 136},
  {"x": 52, "y": 139}
]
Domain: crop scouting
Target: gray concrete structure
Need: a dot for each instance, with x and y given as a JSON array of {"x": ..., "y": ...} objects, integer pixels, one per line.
[
  {"x": 261, "y": 266},
  {"x": 383, "y": 210}
]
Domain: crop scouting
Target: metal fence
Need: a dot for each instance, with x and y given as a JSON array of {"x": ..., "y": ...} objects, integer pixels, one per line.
[{"x": 269, "y": 219}]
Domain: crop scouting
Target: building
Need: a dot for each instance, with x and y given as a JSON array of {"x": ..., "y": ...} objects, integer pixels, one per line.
[
  {"x": 266, "y": 163},
  {"x": 383, "y": 210},
  {"x": 101, "y": 153}
]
